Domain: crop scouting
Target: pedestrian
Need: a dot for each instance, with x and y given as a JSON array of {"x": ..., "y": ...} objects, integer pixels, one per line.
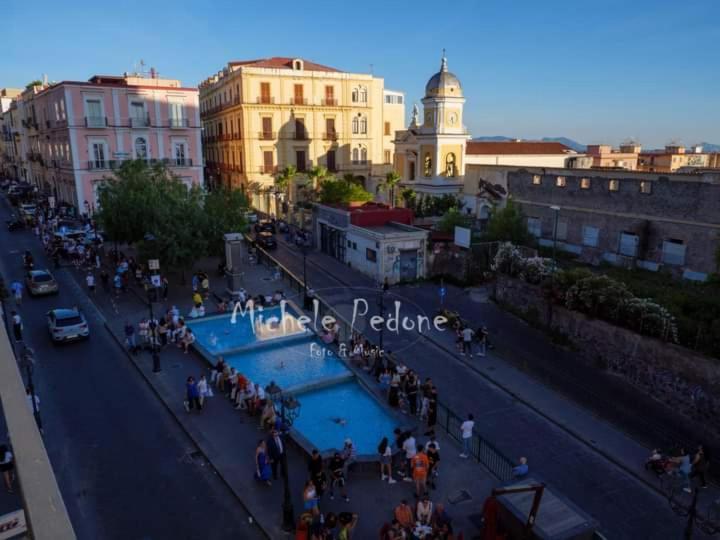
[
  {"x": 195, "y": 283},
  {"x": 411, "y": 392},
  {"x": 17, "y": 325},
  {"x": 410, "y": 448},
  {"x": 17, "y": 290},
  {"x": 467, "y": 336},
  {"x": 262, "y": 463},
  {"x": 337, "y": 476},
  {"x": 521, "y": 469},
  {"x": 130, "y": 337},
  {"x": 105, "y": 280},
  {"x": 483, "y": 340},
  {"x": 33, "y": 400},
  {"x": 205, "y": 285},
  {"x": 276, "y": 451},
  {"x": 7, "y": 466},
  {"x": 90, "y": 280},
  {"x": 432, "y": 440},
  {"x": 310, "y": 498},
  {"x": 349, "y": 451},
  {"x": 433, "y": 455},
  {"x": 197, "y": 299},
  {"x": 192, "y": 397},
  {"x": 700, "y": 465},
  {"x": 385, "y": 452},
  {"x": 165, "y": 285},
  {"x": 118, "y": 284},
  {"x": 467, "y": 430},
  {"x": 202, "y": 386},
  {"x": 420, "y": 465},
  {"x": 187, "y": 340},
  {"x": 348, "y": 522},
  {"x": 424, "y": 510},
  {"x": 432, "y": 410},
  {"x": 317, "y": 473}
]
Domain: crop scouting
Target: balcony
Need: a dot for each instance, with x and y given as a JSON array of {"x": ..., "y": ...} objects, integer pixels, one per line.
[
  {"x": 330, "y": 136},
  {"x": 103, "y": 164},
  {"x": 298, "y": 101},
  {"x": 359, "y": 162},
  {"x": 268, "y": 169},
  {"x": 236, "y": 137},
  {"x": 140, "y": 121},
  {"x": 179, "y": 162},
  {"x": 266, "y": 100},
  {"x": 301, "y": 136},
  {"x": 330, "y": 102},
  {"x": 225, "y": 137},
  {"x": 95, "y": 121},
  {"x": 267, "y": 135},
  {"x": 61, "y": 123},
  {"x": 179, "y": 123}
]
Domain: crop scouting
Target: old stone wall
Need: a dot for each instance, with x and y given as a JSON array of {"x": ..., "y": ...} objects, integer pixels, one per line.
[{"x": 687, "y": 382}]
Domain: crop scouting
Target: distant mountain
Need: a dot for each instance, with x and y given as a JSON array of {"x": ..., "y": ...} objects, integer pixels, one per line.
[
  {"x": 709, "y": 147},
  {"x": 578, "y": 147}
]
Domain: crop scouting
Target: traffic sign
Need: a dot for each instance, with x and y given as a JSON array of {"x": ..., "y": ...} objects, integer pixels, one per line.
[{"x": 154, "y": 264}]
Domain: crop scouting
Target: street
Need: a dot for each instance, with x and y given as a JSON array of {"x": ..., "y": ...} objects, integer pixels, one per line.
[{"x": 125, "y": 467}]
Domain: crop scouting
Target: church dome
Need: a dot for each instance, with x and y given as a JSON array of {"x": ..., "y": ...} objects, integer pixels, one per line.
[{"x": 443, "y": 83}]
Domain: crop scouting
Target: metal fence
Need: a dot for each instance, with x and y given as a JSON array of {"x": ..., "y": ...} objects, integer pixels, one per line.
[{"x": 449, "y": 421}]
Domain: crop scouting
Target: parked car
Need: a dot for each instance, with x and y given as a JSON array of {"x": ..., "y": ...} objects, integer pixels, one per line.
[
  {"x": 67, "y": 325},
  {"x": 265, "y": 225},
  {"x": 39, "y": 282},
  {"x": 251, "y": 217},
  {"x": 28, "y": 209},
  {"x": 266, "y": 240}
]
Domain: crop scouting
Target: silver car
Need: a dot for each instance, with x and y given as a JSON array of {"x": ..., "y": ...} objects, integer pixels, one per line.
[
  {"x": 40, "y": 282},
  {"x": 67, "y": 325}
]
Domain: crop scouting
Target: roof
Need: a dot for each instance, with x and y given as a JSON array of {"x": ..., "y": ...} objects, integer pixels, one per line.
[
  {"x": 282, "y": 62},
  {"x": 517, "y": 147}
]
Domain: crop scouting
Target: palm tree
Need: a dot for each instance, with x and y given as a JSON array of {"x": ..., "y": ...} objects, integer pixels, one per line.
[
  {"x": 351, "y": 178},
  {"x": 282, "y": 183},
  {"x": 391, "y": 180}
]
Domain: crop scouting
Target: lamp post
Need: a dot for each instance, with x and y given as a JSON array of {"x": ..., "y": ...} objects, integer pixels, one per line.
[
  {"x": 289, "y": 412},
  {"x": 152, "y": 292},
  {"x": 555, "y": 209}
]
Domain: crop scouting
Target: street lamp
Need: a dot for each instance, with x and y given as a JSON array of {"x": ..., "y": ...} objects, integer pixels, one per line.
[
  {"x": 289, "y": 412},
  {"x": 152, "y": 294}
]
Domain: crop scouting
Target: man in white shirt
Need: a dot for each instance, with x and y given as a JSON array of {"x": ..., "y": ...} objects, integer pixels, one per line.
[
  {"x": 90, "y": 280},
  {"x": 467, "y": 429},
  {"x": 29, "y": 398},
  {"x": 467, "y": 335},
  {"x": 410, "y": 448}
]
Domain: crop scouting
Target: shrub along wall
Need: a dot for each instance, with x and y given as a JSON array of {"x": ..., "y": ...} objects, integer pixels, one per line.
[{"x": 684, "y": 380}]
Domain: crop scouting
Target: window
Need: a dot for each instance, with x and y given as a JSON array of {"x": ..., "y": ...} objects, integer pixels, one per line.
[
  {"x": 355, "y": 154},
  {"x": 363, "y": 125},
  {"x": 536, "y": 180},
  {"x": 94, "y": 113},
  {"x": 330, "y": 95},
  {"x": 673, "y": 252},
  {"x": 363, "y": 154},
  {"x": 355, "y": 95},
  {"x": 427, "y": 165},
  {"x": 388, "y": 157},
  {"x": 645, "y": 187},
  {"x": 298, "y": 94},
  {"x": 628, "y": 244},
  {"x": 98, "y": 155},
  {"x": 331, "y": 162},
  {"x": 265, "y": 92},
  {"x": 300, "y": 133},
  {"x": 267, "y": 161},
  {"x": 267, "y": 127},
  {"x": 180, "y": 153},
  {"x": 176, "y": 114},
  {"x": 591, "y": 235},
  {"x": 560, "y": 181},
  {"x": 393, "y": 99},
  {"x": 355, "y": 125},
  {"x": 387, "y": 128},
  {"x": 300, "y": 161},
  {"x": 62, "y": 109},
  {"x": 561, "y": 230},
  {"x": 614, "y": 185},
  {"x": 584, "y": 183},
  {"x": 534, "y": 226},
  {"x": 371, "y": 255},
  {"x": 450, "y": 168},
  {"x": 141, "y": 150},
  {"x": 330, "y": 127}
]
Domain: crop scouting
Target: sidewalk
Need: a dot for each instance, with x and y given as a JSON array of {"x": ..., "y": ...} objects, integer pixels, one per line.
[
  {"x": 228, "y": 437},
  {"x": 585, "y": 458}
]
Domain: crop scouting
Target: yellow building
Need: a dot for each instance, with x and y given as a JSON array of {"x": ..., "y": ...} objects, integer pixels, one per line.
[
  {"x": 430, "y": 157},
  {"x": 260, "y": 116}
]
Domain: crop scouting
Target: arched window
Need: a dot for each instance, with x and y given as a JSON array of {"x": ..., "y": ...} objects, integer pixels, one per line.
[
  {"x": 355, "y": 154},
  {"x": 450, "y": 167},
  {"x": 363, "y": 94},
  {"x": 355, "y": 128},
  {"x": 427, "y": 165},
  {"x": 141, "y": 151},
  {"x": 355, "y": 95},
  {"x": 363, "y": 154},
  {"x": 363, "y": 125}
]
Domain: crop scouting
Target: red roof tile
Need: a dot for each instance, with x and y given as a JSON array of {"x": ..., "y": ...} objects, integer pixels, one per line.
[
  {"x": 281, "y": 62},
  {"x": 517, "y": 147}
]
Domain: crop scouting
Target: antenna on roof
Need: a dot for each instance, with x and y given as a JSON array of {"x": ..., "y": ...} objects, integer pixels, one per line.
[{"x": 371, "y": 70}]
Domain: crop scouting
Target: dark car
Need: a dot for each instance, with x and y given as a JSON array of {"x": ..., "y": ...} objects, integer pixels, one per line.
[
  {"x": 265, "y": 225},
  {"x": 266, "y": 240}
]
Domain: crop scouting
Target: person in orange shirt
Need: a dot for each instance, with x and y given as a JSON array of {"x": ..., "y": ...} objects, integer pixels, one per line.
[
  {"x": 420, "y": 465},
  {"x": 403, "y": 513}
]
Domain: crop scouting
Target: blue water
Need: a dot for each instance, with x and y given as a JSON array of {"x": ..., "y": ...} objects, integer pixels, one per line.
[
  {"x": 288, "y": 364},
  {"x": 367, "y": 421},
  {"x": 232, "y": 336}
]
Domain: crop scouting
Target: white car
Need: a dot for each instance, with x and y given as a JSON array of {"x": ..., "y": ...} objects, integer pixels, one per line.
[{"x": 67, "y": 325}]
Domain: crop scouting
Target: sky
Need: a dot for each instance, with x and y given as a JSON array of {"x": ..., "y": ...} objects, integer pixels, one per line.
[{"x": 594, "y": 72}]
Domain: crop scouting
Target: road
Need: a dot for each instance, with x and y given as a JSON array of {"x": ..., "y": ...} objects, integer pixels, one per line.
[{"x": 125, "y": 467}]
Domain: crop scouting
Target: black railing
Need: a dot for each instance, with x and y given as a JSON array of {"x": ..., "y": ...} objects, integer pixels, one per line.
[
  {"x": 267, "y": 135},
  {"x": 179, "y": 123},
  {"x": 139, "y": 121},
  {"x": 179, "y": 162},
  {"x": 95, "y": 121}
]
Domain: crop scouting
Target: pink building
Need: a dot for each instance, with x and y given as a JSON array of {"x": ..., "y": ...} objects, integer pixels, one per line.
[{"x": 77, "y": 133}]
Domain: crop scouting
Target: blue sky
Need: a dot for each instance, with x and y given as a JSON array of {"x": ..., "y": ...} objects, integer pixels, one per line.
[{"x": 595, "y": 72}]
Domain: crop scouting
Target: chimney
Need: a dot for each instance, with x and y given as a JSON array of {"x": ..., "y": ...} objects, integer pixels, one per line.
[{"x": 153, "y": 73}]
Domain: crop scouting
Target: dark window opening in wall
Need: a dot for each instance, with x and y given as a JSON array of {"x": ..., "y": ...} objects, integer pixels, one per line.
[
  {"x": 584, "y": 183},
  {"x": 331, "y": 162},
  {"x": 534, "y": 226},
  {"x": 300, "y": 160},
  {"x": 673, "y": 252},
  {"x": 591, "y": 236},
  {"x": 560, "y": 181},
  {"x": 646, "y": 187},
  {"x": 536, "y": 180},
  {"x": 387, "y": 128},
  {"x": 412, "y": 170},
  {"x": 371, "y": 255},
  {"x": 614, "y": 185},
  {"x": 628, "y": 244}
]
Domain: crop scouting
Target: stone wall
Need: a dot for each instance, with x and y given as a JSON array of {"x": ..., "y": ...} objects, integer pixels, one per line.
[{"x": 687, "y": 382}]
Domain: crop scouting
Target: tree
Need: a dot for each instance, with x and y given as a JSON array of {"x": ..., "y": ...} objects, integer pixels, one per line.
[
  {"x": 391, "y": 180},
  {"x": 225, "y": 210},
  {"x": 284, "y": 180},
  {"x": 316, "y": 175},
  {"x": 409, "y": 195},
  {"x": 507, "y": 225},
  {"x": 453, "y": 218},
  {"x": 334, "y": 191},
  {"x": 36, "y": 82}
]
